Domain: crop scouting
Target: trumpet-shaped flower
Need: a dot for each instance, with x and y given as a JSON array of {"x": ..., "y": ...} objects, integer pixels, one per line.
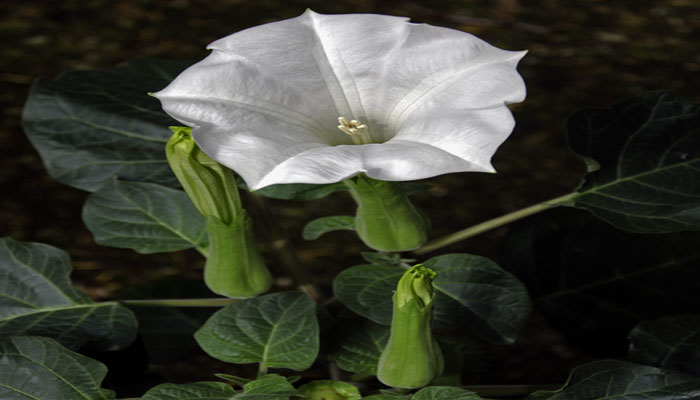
[{"x": 321, "y": 98}]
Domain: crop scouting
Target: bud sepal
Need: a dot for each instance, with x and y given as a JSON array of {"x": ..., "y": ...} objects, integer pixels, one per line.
[
  {"x": 386, "y": 220},
  {"x": 234, "y": 267}
]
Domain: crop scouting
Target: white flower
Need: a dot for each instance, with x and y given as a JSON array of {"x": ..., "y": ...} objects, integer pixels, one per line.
[{"x": 321, "y": 98}]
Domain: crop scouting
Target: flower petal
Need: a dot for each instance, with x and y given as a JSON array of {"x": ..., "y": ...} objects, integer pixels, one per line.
[
  {"x": 266, "y": 101},
  {"x": 398, "y": 160}
]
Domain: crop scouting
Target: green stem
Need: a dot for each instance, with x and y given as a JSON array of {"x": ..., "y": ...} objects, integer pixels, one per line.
[
  {"x": 494, "y": 223},
  {"x": 262, "y": 370},
  {"x": 213, "y": 302}
]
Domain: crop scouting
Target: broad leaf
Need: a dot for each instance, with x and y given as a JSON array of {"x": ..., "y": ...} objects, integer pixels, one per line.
[
  {"x": 277, "y": 330},
  {"x": 40, "y": 368},
  {"x": 167, "y": 333},
  {"x": 367, "y": 290},
  {"x": 37, "y": 298},
  {"x": 594, "y": 281},
  {"x": 671, "y": 342},
  {"x": 269, "y": 387},
  {"x": 357, "y": 346},
  {"x": 444, "y": 393},
  {"x": 191, "y": 391},
  {"x": 618, "y": 380},
  {"x": 297, "y": 191},
  {"x": 90, "y": 126},
  {"x": 644, "y": 162},
  {"x": 145, "y": 217},
  {"x": 316, "y": 228},
  {"x": 473, "y": 295}
]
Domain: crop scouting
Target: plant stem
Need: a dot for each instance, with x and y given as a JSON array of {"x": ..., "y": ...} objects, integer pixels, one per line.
[
  {"x": 262, "y": 370},
  {"x": 284, "y": 250},
  {"x": 213, "y": 302},
  {"x": 494, "y": 223}
]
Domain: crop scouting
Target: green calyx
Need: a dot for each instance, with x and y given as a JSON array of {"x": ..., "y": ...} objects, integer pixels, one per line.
[
  {"x": 386, "y": 220},
  {"x": 234, "y": 266},
  {"x": 211, "y": 186},
  {"x": 412, "y": 357}
]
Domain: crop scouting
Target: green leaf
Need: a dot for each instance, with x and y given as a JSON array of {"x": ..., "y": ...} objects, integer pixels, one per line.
[
  {"x": 671, "y": 342},
  {"x": 473, "y": 294},
  {"x": 367, "y": 290},
  {"x": 296, "y": 191},
  {"x": 647, "y": 149},
  {"x": 38, "y": 368},
  {"x": 278, "y": 330},
  {"x": 236, "y": 380},
  {"x": 329, "y": 390},
  {"x": 90, "y": 126},
  {"x": 269, "y": 387},
  {"x": 444, "y": 393},
  {"x": 618, "y": 380},
  {"x": 191, "y": 391},
  {"x": 167, "y": 333},
  {"x": 316, "y": 228},
  {"x": 591, "y": 280},
  {"x": 385, "y": 396},
  {"x": 145, "y": 217},
  {"x": 37, "y": 298},
  {"x": 357, "y": 346}
]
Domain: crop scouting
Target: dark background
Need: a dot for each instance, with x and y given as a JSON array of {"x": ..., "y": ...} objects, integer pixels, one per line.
[{"x": 581, "y": 54}]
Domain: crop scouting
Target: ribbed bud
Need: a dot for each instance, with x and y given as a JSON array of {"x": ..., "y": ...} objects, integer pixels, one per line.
[
  {"x": 234, "y": 266},
  {"x": 411, "y": 358},
  {"x": 386, "y": 220}
]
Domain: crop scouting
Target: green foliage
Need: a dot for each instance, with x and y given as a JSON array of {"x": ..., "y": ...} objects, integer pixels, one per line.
[
  {"x": 329, "y": 390},
  {"x": 671, "y": 342},
  {"x": 38, "y": 298},
  {"x": 90, "y": 126},
  {"x": 296, "y": 191},
  {"x": 316, "y": 228},
  {"x": 268, "y": 387},
  {"x": 36, "y": 368},
  {"x": 473, "y": 295},
  {"x": 277, "y": 330},
  {"x": 594, "y": 281},
  {"x": 191, "y": 391},
  {"x": 357, "y": 345},
  {"x": 444, "y": 393},
  {"x": 145, "y": 217},
  {"x": 167, "y": 333},
  {"x": 646, "y": 157},
  {"x": 619, "y": 380}
]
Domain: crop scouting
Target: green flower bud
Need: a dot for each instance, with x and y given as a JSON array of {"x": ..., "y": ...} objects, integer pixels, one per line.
[
  {"x": 411, "y": 358},
  {"x": 385, "y": 219},
  {"x": 234, "y": 266},
  {"x": 329, "y": 390},
  {"x": 211, "y": 186}
]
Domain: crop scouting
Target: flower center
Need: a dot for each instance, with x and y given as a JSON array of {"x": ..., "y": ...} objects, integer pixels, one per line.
[{"x": 356, "y": 129}]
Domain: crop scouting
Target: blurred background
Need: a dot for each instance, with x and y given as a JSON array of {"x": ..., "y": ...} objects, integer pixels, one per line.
[{"x": 581, "y": 54}]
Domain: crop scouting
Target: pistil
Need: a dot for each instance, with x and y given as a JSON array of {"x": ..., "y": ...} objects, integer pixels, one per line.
[{"x": 357, "y": 131}]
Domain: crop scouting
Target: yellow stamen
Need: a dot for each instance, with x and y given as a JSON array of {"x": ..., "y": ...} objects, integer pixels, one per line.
[{"x": 356, "y": 129}]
